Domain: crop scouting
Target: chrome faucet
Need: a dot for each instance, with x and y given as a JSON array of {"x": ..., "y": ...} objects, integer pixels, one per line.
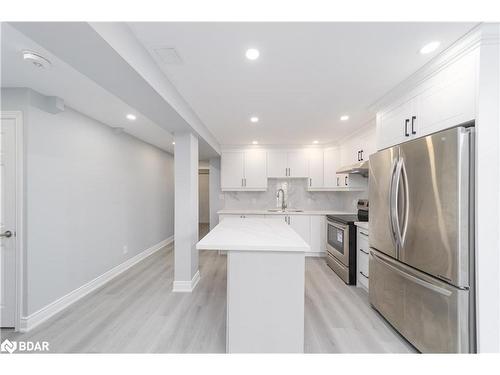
[{"x": 283, "y": 205}]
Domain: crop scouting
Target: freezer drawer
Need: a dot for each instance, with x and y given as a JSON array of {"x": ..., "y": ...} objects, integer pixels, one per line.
[{"x": 430, "y": 314}]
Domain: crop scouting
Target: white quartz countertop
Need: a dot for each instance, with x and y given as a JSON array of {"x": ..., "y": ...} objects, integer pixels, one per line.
[
  {"x": 253, "y": 235},
  {"x": 363, "y": 225},
  {"x": 266, "y": 212}
]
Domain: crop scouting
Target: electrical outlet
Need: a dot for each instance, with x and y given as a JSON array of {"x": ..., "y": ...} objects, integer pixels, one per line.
[{"x": 125, "y": 249}]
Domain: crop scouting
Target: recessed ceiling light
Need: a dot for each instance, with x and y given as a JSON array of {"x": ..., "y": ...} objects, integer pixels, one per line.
[
  {"x": 173, "y": 143},
  {"x": 344, "y": 118},
  {"x": 315, "y": 142},
  {"x": 254, "y": 119},
  {"x": 255, "y": 142},
  {"x": 252, "y": 54},
  {"x": 429, "y": 47},
  {"x": 131, "y": 117}
]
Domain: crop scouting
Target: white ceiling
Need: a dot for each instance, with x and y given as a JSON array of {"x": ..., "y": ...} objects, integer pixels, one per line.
[
  {"x": 78, "y": 91},
  {"x": 307, "y": 76}
]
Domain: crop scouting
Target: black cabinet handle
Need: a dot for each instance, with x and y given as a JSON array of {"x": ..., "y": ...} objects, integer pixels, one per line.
[
  {"x": 345, "y": 180},
  {"x": 362, "y": 273},
  {"x": 366, "y": 252},
  {"x": 361, "y": 155},
  {"x": 406, "y": 128},
  {"x": 337, "y": 181},
  {"x": 358, "y": 156},
  {"x": 413, "y": 118}
]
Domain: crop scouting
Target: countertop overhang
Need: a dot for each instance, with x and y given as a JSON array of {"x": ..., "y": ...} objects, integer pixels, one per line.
[
  {"x": 267, "y": 212},
  {"x": 253, "y": 235}
]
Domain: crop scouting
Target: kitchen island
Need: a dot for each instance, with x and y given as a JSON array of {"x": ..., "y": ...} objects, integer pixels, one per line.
[{"x": 265, "y": 284}]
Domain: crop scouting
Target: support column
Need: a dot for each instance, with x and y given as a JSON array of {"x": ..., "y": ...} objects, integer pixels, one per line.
[{"x": 186, "y": 273}]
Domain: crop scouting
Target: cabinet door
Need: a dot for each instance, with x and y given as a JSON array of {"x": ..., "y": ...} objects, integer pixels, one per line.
[
  {"x": 302, "y": 225},
  {"x": 331, "y": 158},
  {"x": 367, "y": 144},
  {"x": 276, "y": 164},
  {"x": 450, "y": 99},
  {"x": 297, "y": 163},
  {"x": 315, "y": 168},
  {"x": 255, "y": 169},
  {"x": 232, "y": 170},
  {"x": 277, "y": 217},
  {"x": 318, "y": 234},
  {"x": 391, "y": 125}
]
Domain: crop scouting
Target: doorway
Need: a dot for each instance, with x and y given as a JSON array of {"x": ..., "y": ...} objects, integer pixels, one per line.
[
  {"x": 203, "y": 201},
  {"x": 10, "y": 218}
]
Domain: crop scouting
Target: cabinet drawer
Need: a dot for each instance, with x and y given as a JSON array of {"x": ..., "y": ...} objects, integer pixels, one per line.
[{"x": 363, "y": 261}]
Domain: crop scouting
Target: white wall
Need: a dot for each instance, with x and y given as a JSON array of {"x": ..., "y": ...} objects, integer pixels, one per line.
[{"x": 89, "y": 193}]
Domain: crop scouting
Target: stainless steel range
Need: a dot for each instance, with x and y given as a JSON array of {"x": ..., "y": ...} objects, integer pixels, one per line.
[{"x": 341, "y": 242}]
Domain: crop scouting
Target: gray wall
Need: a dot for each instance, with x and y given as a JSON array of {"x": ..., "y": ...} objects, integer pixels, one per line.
[
  {"x": 216, "y": 196},
  {"x": 203, "y": 196},
  {"x": 89, "y": 194}
]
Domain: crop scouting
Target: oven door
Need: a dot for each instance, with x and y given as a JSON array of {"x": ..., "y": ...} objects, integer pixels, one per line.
[{"x": 337, "y": 241}]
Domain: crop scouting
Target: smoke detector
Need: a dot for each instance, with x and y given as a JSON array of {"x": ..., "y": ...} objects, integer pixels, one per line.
[{"x": 36, "y": 59}]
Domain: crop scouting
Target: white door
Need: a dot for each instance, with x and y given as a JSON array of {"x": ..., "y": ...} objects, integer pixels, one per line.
[
  {"x": 276, "y": 164},
  {"x": 297, "y": 163},
  {"x": 8, "y": 221},
  {"x": 331, "y": 163},
  {"x": 315, "y": 168},
  {"x": 255, "y": 169},
  {"x": 302, "y": 225},
  {"x": 232, "y": 170}
]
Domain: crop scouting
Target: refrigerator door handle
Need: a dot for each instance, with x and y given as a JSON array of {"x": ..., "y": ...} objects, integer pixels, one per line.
[
  {"x": 406, "y": 207},
  {"x": 393, "y": 204},
  {"x": 412, "y": 278}
]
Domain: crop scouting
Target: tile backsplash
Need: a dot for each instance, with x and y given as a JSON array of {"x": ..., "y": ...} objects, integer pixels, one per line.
[{"x": 296, "y": 196}]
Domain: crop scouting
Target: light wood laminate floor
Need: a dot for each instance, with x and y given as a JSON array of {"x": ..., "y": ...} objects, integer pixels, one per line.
[{"x": 137, "y": 312}]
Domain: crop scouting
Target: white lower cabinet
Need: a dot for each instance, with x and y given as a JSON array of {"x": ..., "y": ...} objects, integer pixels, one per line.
[
  {"x": 318, "y": 234},
  {"x": 363, "y": 272},
  {"x": 299, "y": 223}
]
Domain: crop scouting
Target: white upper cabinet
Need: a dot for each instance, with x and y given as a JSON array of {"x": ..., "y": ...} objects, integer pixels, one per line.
[
  {"x": 316, "y": 168},
  {"x": 255, "y": 169},
  {"x": 232, "y": 170},
  {"x": 450, "y": 98},
  {"x": 243, "y": 170},
  {"x": 445, "y": 100},
  {"x": 331, "y": 162},
  {"x": 277, "y": 164},
  {"x": 287, "y": 164},
  {"x": 297, "y": 163}
]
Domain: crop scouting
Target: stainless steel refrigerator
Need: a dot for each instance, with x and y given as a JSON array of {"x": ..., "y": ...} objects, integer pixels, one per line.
[{"x": 422, "y": 239}]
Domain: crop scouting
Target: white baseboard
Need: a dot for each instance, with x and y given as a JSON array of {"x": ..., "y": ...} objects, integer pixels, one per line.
[
  {"x": 40, "y": 316},
  {"x": 315, "y": 254},
  {"x": 186, "y": 286}
]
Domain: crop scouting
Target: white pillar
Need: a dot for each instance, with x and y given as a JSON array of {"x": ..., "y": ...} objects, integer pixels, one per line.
[{"x": 186, "y": 273}]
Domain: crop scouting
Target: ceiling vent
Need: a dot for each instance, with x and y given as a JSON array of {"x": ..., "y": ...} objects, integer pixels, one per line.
[{"x": 169, "y": 55}]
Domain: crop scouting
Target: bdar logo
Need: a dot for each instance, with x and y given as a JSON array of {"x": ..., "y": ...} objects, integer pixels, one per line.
[{"x": 8, "y": 346}]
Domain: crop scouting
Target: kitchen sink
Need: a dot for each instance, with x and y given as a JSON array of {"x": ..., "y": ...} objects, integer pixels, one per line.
[{"x": 285, "y": 210}]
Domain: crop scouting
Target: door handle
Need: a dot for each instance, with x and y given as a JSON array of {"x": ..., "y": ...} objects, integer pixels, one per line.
[
  {"x": 310, "y": 181},
  {"x": 413, "y": 118},
  {"x": 6, "y": 234},
  {"x": 362, "y": 273},
  {"x": 338, "y": 181},
  {"x": 345, "y": 180},
  {"x": 361, "y": 153},
  {"x": 363, "y": 251},
  {"x": 359, "y": 156},
  {"x": 406, "y": 127}
]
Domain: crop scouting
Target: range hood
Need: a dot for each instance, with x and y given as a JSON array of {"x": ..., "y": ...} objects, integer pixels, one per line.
[{"x": 356, "y": 168}]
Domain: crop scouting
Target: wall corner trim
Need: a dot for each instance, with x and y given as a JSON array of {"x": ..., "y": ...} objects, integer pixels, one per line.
[
  {"x": 40, "y": 316},
  {"x": 186, "y": 286}
]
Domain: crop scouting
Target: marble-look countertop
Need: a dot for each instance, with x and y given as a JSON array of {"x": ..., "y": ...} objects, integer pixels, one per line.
[
  {"x": 363, "y": 225},
  {"x": 253, "y": 235},
  {"x": 266, "y": 212}
]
